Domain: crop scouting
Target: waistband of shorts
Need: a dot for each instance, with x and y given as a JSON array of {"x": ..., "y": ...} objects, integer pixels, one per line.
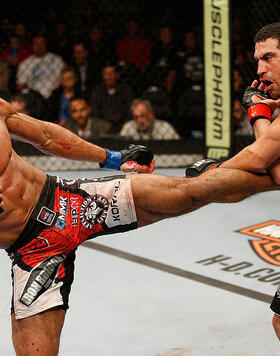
[{"x": 46, "y": 200}]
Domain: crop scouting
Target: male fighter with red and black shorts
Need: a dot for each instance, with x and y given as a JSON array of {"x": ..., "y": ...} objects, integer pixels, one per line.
[{"x": 43, "y": 219}]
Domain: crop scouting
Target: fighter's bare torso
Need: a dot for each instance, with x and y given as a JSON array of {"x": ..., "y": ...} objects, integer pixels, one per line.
[
  {"x": 20, "y": 182},
  {"x": 20, "y": 188}
]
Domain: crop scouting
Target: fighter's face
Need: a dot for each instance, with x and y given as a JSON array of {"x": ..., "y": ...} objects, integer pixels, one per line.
[{"x": 267, "y": 55}]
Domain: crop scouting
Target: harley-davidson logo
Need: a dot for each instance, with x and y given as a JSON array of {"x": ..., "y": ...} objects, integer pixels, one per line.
[{"x": 267, "y": 244}]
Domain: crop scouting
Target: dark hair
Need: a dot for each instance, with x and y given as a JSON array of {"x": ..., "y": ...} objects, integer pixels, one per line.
[
  {"x": 111, "y": 63},
  {"x": 269, "y": 31},
  {"x": 18, "y": 97},
  {"x": 79, "y": 97},
  {"x": 69, "y": 69}
]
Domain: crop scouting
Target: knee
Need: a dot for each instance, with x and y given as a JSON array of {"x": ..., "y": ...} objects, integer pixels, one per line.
[
  {"x": 276, "y": 325},
  {"x": 275, "y": 173},
  {"x": 276, "y": 176}
]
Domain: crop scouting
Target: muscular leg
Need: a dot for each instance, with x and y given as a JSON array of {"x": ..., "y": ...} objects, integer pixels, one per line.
[
  {"x": 158, "y": 197},
  {"x": 276, "y": 325},
  {"x": 38, "y": 334}
]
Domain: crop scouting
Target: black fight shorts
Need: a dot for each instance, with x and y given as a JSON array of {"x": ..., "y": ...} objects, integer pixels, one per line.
[
  {"x": 275, "y": 304},
  {"x": 68, "y": 212}
]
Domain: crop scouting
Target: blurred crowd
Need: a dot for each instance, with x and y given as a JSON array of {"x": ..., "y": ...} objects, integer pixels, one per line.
[{"x": 135, "y": 85}]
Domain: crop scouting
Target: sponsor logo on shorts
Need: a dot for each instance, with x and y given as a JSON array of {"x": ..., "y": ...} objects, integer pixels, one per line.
[
  {"x": 94, "y": 210},
  {"x": 63, "y": 211},
  {"x": 40, "y": 279},
  {"x": 74, "y": 203},
  {"x": 267, "y": 246},
  {"x": 46, "y": 216},
  {"x": 114, "y": 204}
]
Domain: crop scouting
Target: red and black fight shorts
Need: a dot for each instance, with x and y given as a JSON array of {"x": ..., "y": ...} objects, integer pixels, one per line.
[{"x": 68, "y": 212}]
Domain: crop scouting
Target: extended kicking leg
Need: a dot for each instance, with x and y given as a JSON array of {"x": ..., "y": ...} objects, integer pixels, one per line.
[{"x": 158, "y": 197}]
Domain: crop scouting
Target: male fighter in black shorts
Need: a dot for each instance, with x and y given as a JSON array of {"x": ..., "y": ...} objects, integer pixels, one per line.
[{"x": 262, "y": 102}]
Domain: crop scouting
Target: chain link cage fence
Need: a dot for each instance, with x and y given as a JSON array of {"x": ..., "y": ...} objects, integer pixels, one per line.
[{"x": 120, "y": 72}]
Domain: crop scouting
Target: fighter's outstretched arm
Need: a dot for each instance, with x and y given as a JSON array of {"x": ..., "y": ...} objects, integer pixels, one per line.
[
  {"x": 263, "y": 154},
  {"x": 53, "y": 139},
  {"x": 56, "y": 140}
]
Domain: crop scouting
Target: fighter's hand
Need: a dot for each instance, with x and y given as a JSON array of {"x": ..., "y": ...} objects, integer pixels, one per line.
[
  {"x": 264, "y": 97},
  {"x": 199, "y": 167},
  {"x": 258, "y": 103},
  {"x": 252, "y": 103},
  {"x": 135, "y": 158},
  {"x": 132, "y": 166}
]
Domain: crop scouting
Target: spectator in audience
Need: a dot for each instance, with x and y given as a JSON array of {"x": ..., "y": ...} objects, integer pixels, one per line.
[
  {"x": 13, "y": 54},
  {"x": 241, "y": 124},
  {"x": 83, "y": 124},
  {"x": 145, "y": 126},
  {"x": 18, "y": 102},
  {"x": 131, "y": 75},
  {"x": 161, "y": 71},
  {"x": 41, "y": 71},
  {"x": 101, "y": 48},
  {"x": 189, "y": 63},
  {"x": 32, "y": 102},
  {"x": 111, "y": 100},
  {"x": 189, "y": 92},
  {"x": 58, "y": 102},
  {"x": 59, "y": 42},
  {"x": 87, "y": 77},
  {"x": 160, "y": 101},
  {"x": 23, "y": 36},
  {"x": 6, "y": 30},
  {"x": 134, "y": 47}
]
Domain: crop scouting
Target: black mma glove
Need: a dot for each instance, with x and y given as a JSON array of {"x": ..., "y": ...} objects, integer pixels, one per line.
[
  {"x": 200, "y": 167},
  {"x": 256, "y": 110},
  {"x": 142, "y": 155}
]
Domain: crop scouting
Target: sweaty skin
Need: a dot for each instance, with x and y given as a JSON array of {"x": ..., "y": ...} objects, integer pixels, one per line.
[
  {"x": 20, "y": 187},
  {"x": 20, "y": 182}
]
